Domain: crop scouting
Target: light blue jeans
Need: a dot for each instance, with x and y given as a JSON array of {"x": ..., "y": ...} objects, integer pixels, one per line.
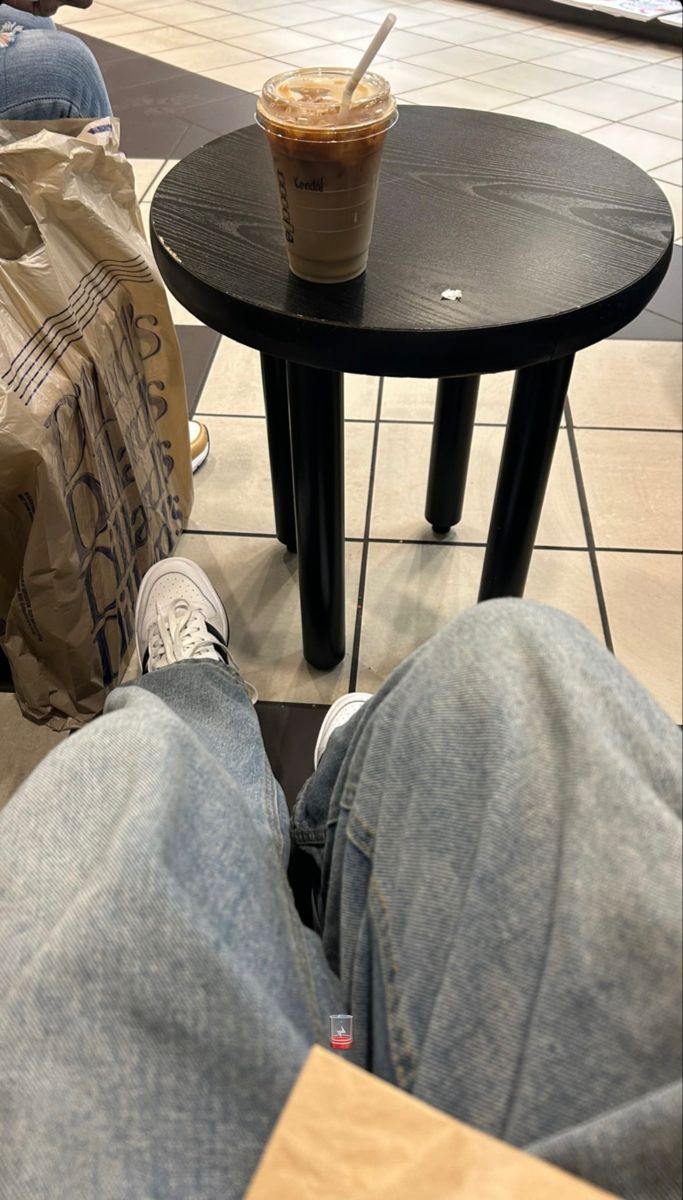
[
  {"x": 45, "y": 74},
  {"x": 498, "y": 834}
]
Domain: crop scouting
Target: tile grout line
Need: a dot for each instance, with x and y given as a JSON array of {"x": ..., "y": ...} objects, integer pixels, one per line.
[
  {"x": 630, "y": 429},
  {"x": 548, "y": 97},
  {"x": 637, "y": 550},
  {"x": 604, "y": 36},
  {"x": 497, "y": 33},
  {"x": 605, "y": 41},
  {"x": 588, "y": 528},
  {"x": 455, "y": 545},
  {"x": 479, "y": 424},
  {"x": 432, "y": 541},
  {"x": 515, "y": 97},
  {"x": 236, "y": 533},
  {"x": 355, "y": 650}
]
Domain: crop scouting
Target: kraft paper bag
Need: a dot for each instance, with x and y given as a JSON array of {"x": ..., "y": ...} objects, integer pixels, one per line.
[
  {"x": 95, "y": 472},
  {"x": 346, "y": 1135}
]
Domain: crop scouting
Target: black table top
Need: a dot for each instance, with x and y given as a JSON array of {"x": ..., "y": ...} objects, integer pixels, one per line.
[{"x": 554, "y": 241}]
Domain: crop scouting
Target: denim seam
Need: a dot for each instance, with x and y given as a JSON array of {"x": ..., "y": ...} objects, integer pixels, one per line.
[
  {"x": 301, "y": 957},
  {"x": 402, "y": 1051},
  {"x": 350, "y": 792},
  {"x": 350, "y": 783},
  {"x": 359, "y": 843},
  {"x": 309, "y": 837},
  {"x": 534, "y": 999},
  {"x": 360, "y": 833},
  {"x": 68, "y": 100},
  {"x": 296, "y": 931},
  {"x": 271, "y": 805}
]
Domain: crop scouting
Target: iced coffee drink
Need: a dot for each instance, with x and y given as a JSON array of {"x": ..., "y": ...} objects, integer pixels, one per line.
[{"x": 327, "y": 158}]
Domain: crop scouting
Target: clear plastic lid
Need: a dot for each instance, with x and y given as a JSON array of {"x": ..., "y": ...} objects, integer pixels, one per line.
[{"x": 310, "y": 98}]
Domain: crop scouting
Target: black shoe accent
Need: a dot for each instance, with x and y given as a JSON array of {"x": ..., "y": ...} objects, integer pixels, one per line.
[
  {"x": 221, "y": 646},
  {"x": 224, "y": 641}
]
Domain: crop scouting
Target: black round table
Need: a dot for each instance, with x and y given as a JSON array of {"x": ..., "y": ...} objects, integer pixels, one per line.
[{"x": 553, "y": 241}]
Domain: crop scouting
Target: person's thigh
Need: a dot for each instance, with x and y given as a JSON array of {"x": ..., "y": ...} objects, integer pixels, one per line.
[
  {"x": 158, "y": 994},
  {"x": 499, "y": 837},
  {"x": 47, "y": 75}
]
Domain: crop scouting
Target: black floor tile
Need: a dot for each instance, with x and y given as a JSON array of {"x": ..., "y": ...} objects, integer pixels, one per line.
[
  {"x": 198, "y": 344},
  {"x": 650, "y": 327},
  {"x": 144, "y": 135},
  {"x": 192, "y": 139},
  {"x": 166, "y": 112},
  {"x": 133, "y": 71},
  {"x": 105, "y": 52},
  {"x": 290, "y": 732},
  {"x": 222, "y": 115},
  {"x": 175, "y": 94},
  {"x": 668, "y": 300}
]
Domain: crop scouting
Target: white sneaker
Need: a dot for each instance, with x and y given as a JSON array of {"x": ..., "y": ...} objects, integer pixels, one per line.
[
  {"x": 179, "y": 615},
  {"x": 340, "y": 712}
]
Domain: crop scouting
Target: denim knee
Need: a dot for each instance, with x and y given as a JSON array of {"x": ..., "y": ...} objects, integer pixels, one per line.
[
  {"x": 493, "y": 626},
  {"x": 51, "y": 75}
]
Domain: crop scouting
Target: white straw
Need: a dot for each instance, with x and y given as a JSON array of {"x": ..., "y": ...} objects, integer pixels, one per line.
[{"x": 354, "y": 79}]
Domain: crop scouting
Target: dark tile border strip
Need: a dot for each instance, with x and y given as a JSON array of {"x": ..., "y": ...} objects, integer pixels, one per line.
[
  {"x": 588, "y": 527},
  {"x": 166, "y": 112},
  {"x": 650, "y": 327},
  {"x": 668, "y": 299},
  {"x": 198, "y": 347},
  {"x": 290, "y": 731},
  {"x": 357, "y": 632}
]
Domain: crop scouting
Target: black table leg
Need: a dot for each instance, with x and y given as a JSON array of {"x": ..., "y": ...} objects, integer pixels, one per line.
[
  {"x": 316, "y": 418},
  {"x": 274, "y": 375},
  {"x": 456, "y": 407},
  {"x": 533, "y": 424}
]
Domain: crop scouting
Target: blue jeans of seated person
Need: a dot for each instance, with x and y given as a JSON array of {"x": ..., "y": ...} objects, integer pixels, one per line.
[
  {"x": 498, "y": 832},
  {"x": 46, "y": 74}
]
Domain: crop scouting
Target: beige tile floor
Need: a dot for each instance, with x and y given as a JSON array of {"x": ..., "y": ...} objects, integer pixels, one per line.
[
  {"x": 624, "y": 92},
  {"x": 629, "y": 466},
  {"x": 610, "y": 537}
]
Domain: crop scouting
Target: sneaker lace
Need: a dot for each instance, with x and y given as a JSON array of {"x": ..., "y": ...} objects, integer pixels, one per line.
[{"x": 180, "y": 632}]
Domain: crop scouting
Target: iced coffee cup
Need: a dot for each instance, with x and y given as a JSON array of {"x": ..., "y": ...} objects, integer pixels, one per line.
[{"x": 327, "y": 159}]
